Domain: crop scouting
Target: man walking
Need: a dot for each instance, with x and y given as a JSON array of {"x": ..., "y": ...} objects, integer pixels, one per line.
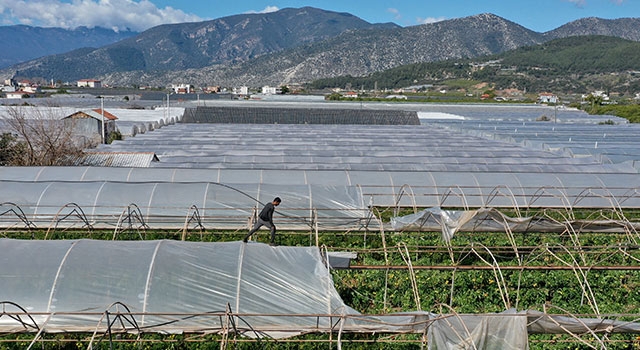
[{"x": 266, "y": 219}]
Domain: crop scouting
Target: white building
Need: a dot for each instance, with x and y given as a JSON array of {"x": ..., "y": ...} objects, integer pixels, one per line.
[
  {"x": 181, "y": 88},
  {"x": 92, "y": 83},
  {"x": 547, "y": 97},
  {"x": 268, "y": 90},
  {"x": 18, "y": 94},
  {"x": 243, "y": 90},
  {"x": 32, "y": 89}
]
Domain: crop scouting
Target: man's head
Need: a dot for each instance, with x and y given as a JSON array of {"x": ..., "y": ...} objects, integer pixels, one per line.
[{"x": 276, "y": 201}]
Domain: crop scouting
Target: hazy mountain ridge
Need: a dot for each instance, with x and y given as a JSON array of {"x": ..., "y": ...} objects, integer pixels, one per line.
[
  {"x": 625, "y": 28},
  {"x": 296, "y": 45},
  {"x": 22, "y": 43},
  {"x": 195, "y": 45}
]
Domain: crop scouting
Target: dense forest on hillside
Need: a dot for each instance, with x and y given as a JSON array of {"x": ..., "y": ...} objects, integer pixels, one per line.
[{"x": 571, "y": 65}]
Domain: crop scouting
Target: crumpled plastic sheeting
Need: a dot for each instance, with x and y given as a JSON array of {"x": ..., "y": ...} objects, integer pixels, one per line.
[
  {"x": 449, "y": 221},
  {"x": 510, "y": 329},
  {"x": 507, "y": 330},
  {"x": 542, "y": 323},
  {"x": 491, "y": 220}
]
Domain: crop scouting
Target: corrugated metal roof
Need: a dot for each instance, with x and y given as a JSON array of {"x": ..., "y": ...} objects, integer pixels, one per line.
[{"x": 117, "y": 159}]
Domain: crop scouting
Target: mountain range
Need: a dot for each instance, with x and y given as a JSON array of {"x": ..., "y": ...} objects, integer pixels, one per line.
[
  {"x": 294, "y": 45},
  {"x": 22, "y": 43}
]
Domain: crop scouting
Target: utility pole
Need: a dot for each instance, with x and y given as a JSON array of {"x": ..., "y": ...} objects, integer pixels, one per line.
[
  {"x": 168, "y": 111},
  {"x": 102, "y": 134}
]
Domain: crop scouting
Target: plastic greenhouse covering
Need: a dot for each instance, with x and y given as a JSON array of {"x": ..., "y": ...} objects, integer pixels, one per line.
[
  {"x": 356, "y": 147},
  {"x": 331, "y": 175},
  {"x": 459, "y": 168},
  {"x": 174, "y": 287},
  {"x": 151, "y": 277},
  {"x": 222, "y": 198}
]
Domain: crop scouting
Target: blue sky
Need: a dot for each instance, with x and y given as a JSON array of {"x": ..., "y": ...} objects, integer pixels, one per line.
[{"x": 539, "y": 15}]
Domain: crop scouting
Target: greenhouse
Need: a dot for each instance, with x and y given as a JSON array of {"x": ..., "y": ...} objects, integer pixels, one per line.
[
  {"x": 537, "y": 219},
  {"x": 331, "y": 176},
  {"x": 42, "y": 197},
  {"x": 187, "y": 287}
]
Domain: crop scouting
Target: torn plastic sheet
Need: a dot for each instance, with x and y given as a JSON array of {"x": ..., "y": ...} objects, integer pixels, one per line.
[{"x": 492, "y": 220}]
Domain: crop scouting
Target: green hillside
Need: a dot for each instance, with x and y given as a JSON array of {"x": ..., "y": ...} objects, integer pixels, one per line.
[{"x": 577, "y": 65}]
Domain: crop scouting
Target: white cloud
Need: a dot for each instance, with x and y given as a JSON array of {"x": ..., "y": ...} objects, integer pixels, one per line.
[
  {"x": 427, "y": 20},
  {"x": 267, "y": 9},
  {"x": 136, "y": 15},
  {"x": 396, "y": 14}
]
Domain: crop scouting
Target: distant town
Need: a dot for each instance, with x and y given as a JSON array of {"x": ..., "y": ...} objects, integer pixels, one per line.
[{"x": 12, "y": 90}]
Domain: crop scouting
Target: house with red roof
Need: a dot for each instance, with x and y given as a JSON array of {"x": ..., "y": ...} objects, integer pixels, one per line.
[{"x": 89, "y": 123}]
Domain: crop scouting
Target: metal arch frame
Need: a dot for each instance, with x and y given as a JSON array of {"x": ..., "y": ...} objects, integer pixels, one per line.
[
  {"x": 121, "y": 317},
  {"x": 19, "y": 213},
  {"x": 408, "y": 190},
  {"x": 368, "y": 217},
  {"x": 542, "y": 190},
  {"x": 615, "y": 206},
  {"x": 193, "y": 214},
  {"x": 76, "y": 211},
  {"x": 449, "y": 191},
  {"x": 17, "y": 316},
  {"x": 130, "y": 214},
  {"x": 613, "y": 201},
  {"x": 631, "y": 193},
  {"x": 495, "y": 192}
]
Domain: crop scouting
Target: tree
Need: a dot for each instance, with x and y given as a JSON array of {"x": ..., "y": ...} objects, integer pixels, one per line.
[
  {"x": 284, "y": 89},
  {"x": 594, "y": 100},
  {"x": 10, "y": 148},
  {"x": 42, "y": 136}
]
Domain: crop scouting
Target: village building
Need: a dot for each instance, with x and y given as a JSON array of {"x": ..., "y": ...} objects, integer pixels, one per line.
[
  {"x": 350, "y": 94},
  {"x": 32, "y": 89},
  {"x": 24, "y": 82},
  {"x": 547, "y": 97},
  {"x": 181, "y": 88},
  {"x": 91, "y": 83},
  {"x": 212, "y": 89},
  {"x": 18, "y": 94},
  {"x": 243, "y": 90},
  {"x": 89, "y": 123},
  {"x": 7, "y": 88},
  {"x": 269, "y": 90}
]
